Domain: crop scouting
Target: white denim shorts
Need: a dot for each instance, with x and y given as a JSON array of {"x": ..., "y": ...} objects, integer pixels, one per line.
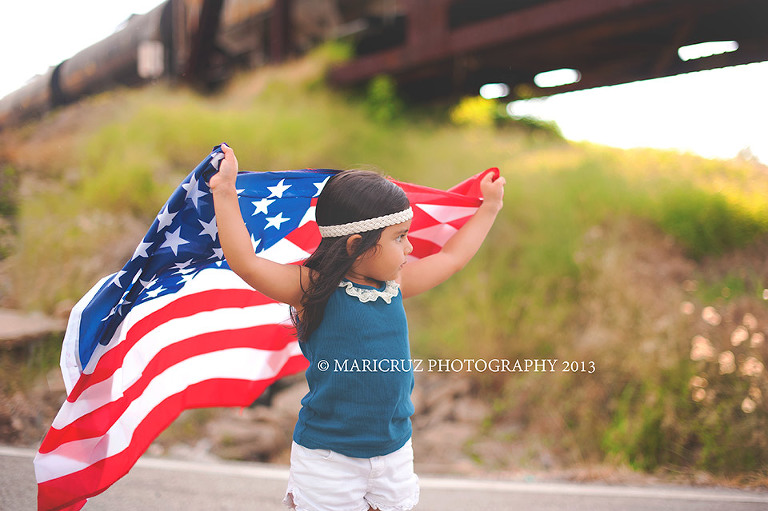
[{"x": 324, "y": 480}]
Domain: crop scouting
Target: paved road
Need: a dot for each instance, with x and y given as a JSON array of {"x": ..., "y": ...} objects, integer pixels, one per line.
[{"x": 168, "y": 485}]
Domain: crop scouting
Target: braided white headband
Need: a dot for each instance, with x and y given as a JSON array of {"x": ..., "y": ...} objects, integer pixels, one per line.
[{"x": 333, "y": 231}]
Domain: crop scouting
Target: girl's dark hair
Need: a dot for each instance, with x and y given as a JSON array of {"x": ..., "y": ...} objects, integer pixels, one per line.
[{"x": 349, "y": 196}]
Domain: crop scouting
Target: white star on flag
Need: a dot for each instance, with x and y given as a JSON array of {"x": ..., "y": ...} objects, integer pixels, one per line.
[
  {"x": 279, "y": 189},
  {"x": 187, "y": 277},
  {"x": 174, "y": 240},
  {"x": 261, "y": 206},
  {"x": 182, "y": 265},
  {"x": 216, "y": 160},
  {"x": 276, "y": 221},
  {"x": 321, "y": 185},
  {"x": 155, "y": 292},
  {"x": 193, "y": 191},
  {"x": 165, "y": 218},
  {"x": 116, "y": 280},
  {"x": 111, "y": 313},
  {"x": 148, "y": 283},
  {"x": 218, "y": 253},
  {"x": 141, "y": 250},
  {"x": 209, "y": 228}
]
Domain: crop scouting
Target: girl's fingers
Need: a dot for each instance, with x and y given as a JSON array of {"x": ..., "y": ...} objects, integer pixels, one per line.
[{"x": 229, "y": 157}]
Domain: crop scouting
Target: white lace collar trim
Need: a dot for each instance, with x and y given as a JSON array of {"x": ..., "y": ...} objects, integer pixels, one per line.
[{"x": 366, "y": 294}]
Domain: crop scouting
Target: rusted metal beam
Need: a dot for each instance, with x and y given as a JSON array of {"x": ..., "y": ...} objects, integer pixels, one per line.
[
  {"x": 428, "y": 33},
  {"x": 609, "y": 41},
  {"x": 545, "y": 18},
  {"x": 280, "y": 30},
  {"x": 427, "y": 22}
]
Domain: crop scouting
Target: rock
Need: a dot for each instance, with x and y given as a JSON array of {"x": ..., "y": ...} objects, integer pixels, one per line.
[
  {"x": 63, "y": 309},
  {"x": 439, "y": 413},
  {"x": 54, "y": 382},
  {"x": 470, "y": 410},
  {"x": 259, "y": 414},
  {"x": 256, "y": 435},
  {"x": 418, "y": 399},
  {"x": 261, "y": 441},
  {"x": 17, "y": 327},
  {"x": 442, "y": 444},
  {"x": 201, "y": 451},
  {"x": 287, "y": 401},
  {"x": 440, "y": 390},
  {"x": 498, "y": 455}
]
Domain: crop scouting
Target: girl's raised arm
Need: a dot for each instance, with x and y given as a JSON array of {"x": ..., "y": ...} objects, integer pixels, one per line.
[
  {"x": 428, "y": 272},
  {"x": 281, "y": 282}
]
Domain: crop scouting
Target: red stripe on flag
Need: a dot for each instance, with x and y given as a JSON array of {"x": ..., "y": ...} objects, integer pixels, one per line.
[
  {"x": 423, "y": 248},
  {"x": 307, "y": 237}
]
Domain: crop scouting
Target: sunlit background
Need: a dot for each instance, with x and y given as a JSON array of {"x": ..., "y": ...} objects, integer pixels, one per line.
[{"x": 719, "y": 113}]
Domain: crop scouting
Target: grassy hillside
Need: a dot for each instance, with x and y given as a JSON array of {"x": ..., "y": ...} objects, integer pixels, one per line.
[{"x": 644, "y": 268}]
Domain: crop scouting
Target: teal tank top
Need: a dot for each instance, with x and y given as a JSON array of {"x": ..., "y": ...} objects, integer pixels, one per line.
[{"x": 360, "y": 374}]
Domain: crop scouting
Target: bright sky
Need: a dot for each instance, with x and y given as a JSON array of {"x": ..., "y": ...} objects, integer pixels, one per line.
[{"x": 713, "y": 113}]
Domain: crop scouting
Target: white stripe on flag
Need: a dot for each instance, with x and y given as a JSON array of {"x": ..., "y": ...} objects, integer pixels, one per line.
[
  {"x": 445, "y": 214},
  {"x": 438, "y": 234},
  {"x": 285, "y": 252}
]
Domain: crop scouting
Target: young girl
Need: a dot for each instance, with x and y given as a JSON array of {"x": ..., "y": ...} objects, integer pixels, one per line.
[{"x": 351, "y": 446}]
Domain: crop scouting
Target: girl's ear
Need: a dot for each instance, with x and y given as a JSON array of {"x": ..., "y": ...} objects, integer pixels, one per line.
[{"x": 352, "y": 243}]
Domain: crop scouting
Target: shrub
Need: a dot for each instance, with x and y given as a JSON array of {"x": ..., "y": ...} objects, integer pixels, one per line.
[
  {"x": 706, "y": 223},
  {"x": 474, "y": 111},
  {"x": 382, "y": 101},
  {"x": 8, "y": 208}
]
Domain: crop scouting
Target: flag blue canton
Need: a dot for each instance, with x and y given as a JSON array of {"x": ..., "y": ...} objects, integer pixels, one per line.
[{"x": 183, "y": 241}]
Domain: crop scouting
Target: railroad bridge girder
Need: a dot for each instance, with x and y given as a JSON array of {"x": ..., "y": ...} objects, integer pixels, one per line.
[{"x": 452, "y": 47}]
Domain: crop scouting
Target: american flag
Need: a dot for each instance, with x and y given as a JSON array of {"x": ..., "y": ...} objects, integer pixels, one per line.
[{"x": 176, "y": 329}]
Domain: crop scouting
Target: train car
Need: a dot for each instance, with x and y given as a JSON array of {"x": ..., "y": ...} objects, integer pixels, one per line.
[
  {"x": 31, "y": 101},
  {"x": 199, "y": 42},
  {"x": 141, "y": 50}
]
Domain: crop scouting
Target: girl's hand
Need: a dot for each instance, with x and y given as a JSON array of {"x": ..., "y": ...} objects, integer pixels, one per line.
[
  {"x": 493, "y": 191},
  {"x": 427, "y": 272},
  {"x": 281, "y": 282},
  {"x": 228, "y": 167}
]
